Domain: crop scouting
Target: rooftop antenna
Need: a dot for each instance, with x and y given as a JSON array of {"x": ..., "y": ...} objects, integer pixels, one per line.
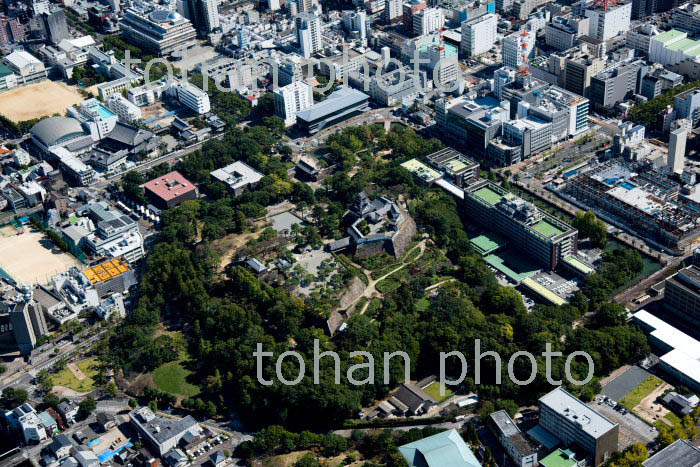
[
  {"x": 524, "y": 41},
  {"x": 604, "y": 3}
]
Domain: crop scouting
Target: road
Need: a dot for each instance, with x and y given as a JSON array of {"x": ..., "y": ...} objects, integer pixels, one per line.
[
  {"x": 158, "y": 160},
  {"x": 24, "y": 377}
]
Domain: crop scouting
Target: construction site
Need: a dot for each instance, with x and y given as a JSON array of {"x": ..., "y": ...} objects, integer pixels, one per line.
[{"x": 636, "y": 195}]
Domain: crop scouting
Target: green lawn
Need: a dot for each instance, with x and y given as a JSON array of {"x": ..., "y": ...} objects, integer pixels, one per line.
[
  {"x": 434, "y": 390},
  {"x": 66, "y": 378},
  {"x": 387, "y": 285},
  {"x": 172, "y": 377},
  {"x": 631, "y": 400},
  {"x": 673, "y": 418}
]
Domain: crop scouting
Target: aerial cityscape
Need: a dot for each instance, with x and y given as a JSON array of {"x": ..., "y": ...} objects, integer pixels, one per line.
[{"x": 324, "y": 233}]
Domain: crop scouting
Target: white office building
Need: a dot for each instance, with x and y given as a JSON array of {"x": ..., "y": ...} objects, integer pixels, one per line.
[
  {"x": 606, "y": 24},
  {"x": 512, "y": 51},
  {"x": 479, "y": 35},
  {"x": 676, "y": 150},
  {"x": 125, "y": 110},
  {"x": 291, "y": 99},
  {"x": 428, "y": 20},
  {"x": 640, "y": 38},
  {"x": 308, "y": 33}
]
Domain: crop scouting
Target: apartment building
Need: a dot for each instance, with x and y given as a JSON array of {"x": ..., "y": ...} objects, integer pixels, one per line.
[
  {"x": 291, "y": 99},
  {"x": 309, "y": 38}
]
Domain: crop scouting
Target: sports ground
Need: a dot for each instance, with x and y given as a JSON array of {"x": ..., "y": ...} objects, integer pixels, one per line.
[
  {"x": 30, "y": 257},
  {"x": 38, "y": 100}
]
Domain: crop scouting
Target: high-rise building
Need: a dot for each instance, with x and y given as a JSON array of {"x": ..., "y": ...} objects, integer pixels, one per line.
[
  {"x": 39, "y": 7},
  {"x": 523, "y": 8},
  {"x": 606, "y": 24},
  {"x": 291, "y": 99},
  {"x": 562, "y": 32},
  {"x": 393, "y": 11},
  {"x": 305, "y": 5},
  {"x": 673, "y": 47},
  {"x": 479, "y": 35},
  {"x": 11, "y": 30},
  {"x": 676, "y": 150},
  {"x": 614, "y": 84},
  {"x": 512, "y": 51},
  {"x": 540, "y": 235},
  {"x": 356, "y": 23},
  {"x": 203, "y": 14},
  {"x": 578, "y": 72},
  {"x": 55, "y": 25},
  {"x": 243, "y": 37},
  {"x": 210, "y": 14},
  {"x": 273, "y": 5},
  {"x": 290, "y": 70},
  {"x": 682, "y": 295},
  {"x": 640, "y": 38},
  {"x": 687, "y": 105},
  {"x": 531, "y": 134},
  {"x": 308, "y": 33},
  {"x": 410, "y": 9},
  {"x": 28, "y": 322},
  {"x": 428, "y": 20}
]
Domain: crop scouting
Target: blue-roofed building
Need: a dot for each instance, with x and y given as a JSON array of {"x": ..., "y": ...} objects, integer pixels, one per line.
[
  {"x": 341, "y": 105},
  {"x": 446, "y": 448}
]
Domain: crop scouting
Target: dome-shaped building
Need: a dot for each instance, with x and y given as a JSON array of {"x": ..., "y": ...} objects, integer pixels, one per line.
[{"x": 55, "y": 131}]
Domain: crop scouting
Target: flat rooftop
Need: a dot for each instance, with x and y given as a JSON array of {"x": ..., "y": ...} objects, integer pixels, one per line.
[
  {"x": 487, "y": 243},
  {"x": 568, "y": 406},
  {"x": 106, "y": 271},
  {"x": 547, "y": 228},
  {"x": 543, "y": 292},
  {"x": 489, "y": 195},
  {"x": 421, "y": 170},
  {"x": 559, "y": 458},
  {"x": 578, "y": 264},
  {"x": 504, "y": 423},
  {"x": 512, "y": 265}
]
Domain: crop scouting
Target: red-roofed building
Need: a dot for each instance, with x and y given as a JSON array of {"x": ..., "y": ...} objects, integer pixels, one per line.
[{"x": 170, "y": 190}]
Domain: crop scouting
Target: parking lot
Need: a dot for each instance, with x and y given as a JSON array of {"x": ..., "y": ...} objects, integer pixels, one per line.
[
  {"x": 632, "y": 428},
  {"x": 626, "y": 382}
]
